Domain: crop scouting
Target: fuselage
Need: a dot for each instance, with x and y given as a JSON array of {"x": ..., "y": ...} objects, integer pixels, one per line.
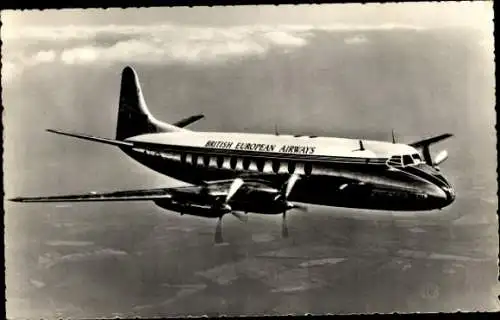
[{"x": 339, "y": 172}]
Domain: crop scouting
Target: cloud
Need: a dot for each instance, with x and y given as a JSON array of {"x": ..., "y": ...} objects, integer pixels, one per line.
[
  {"x": 79, "y": 55},
  {"x": 285, "y": 38},
  {"x": 155, "y": 44},
  {"x": 13, "y": 66},
  {"x": 356, "y": 40},
  {"x": 147, "y": 44},
  {"x": 9, "y": 71},
  {"x": 45, "y": 56}
]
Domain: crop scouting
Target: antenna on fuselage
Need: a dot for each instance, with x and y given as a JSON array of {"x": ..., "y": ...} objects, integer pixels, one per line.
[
  {"x": 276, "y": 130},
  {"x": 393, "y": 137},
  {"x": 361, "y": 146}
]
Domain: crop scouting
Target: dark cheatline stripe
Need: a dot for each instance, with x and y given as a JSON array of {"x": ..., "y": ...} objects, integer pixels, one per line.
[
  {"x": 257, "y": 154},
  {"x": 433, "y": 174},
  {"x": 425, "y": 175}
]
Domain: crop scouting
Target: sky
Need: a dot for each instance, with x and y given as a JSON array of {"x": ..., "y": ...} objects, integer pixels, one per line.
[
  {"x": 206, "y": 34},
  {"x": 253, "y": 68},
  {"x": 422, "y": 14}
]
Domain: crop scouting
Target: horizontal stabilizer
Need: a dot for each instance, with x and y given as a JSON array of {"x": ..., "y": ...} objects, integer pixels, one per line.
[
  {"x": 92, "y": 138},
  {"x": 187, "y": 121},
  {"x": 429, "y": 141},
  {"x": 132, "y": 195}
]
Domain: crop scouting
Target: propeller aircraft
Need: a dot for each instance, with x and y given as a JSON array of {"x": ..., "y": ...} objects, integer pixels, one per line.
[{"x": 238, "y": 173}]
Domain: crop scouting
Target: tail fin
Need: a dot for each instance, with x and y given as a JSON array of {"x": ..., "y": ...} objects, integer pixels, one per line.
[
  {"x": 134, "y": 117},
  {"x": 429, "y": 141},
  {"x": 425, "y": 144}
]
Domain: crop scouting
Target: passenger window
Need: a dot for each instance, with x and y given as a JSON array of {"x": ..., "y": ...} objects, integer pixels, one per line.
[
  {"x": 194, "y": 160},
  {"x": 308, "y": 168},
  {"x": 407, "y": 160},
  {"x": 260, "y": 165},
  {"x": 206, "y": 160},
  {"x": 183, "y": 158},
  {"x": 246, "y": 163},
  {"x": 233, "y": 162},
  {"x": 220, "y": 161},
  {"x": 276, "y": 166},
  {"x": 291, "y": 167}
]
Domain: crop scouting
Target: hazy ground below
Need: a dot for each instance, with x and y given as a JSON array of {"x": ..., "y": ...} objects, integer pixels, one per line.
[{"x": 106, "y": 260}]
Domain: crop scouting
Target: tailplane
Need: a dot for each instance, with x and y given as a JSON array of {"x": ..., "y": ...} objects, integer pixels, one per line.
[
  {"x": 426, "y": 143},
  {"x": 134, "y": 117}
]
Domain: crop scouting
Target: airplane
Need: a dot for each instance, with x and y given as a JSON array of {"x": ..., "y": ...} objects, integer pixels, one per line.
[{"x": 238, "y": 173}]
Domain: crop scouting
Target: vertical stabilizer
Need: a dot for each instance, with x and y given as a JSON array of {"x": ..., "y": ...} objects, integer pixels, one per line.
[{"x": 134, "y": 117}]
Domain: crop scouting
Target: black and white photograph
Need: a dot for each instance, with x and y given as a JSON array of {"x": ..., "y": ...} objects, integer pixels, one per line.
[{"x": 250, "y": 160}]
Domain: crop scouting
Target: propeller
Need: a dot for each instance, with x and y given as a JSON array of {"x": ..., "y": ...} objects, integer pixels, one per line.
[
  {"x": 285, "y": 192},
  {"x": 225, "y": 208},
  {"x": 235, "y": 186},
  {"x": 288, "y": 186},
  {"x": 284, "y": 226},
  {"x": 440, "y": 158},
  {"x": 298, "y": 207},
  {"x": 241, "y": 217},
  {"x": 218, "y": 231}
]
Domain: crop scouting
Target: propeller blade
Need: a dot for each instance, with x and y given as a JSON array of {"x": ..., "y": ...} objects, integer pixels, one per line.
[
  {"x": 300, "y": 208},
  {"x": 287, "y": 187},
  {"x": 218, "y": 232},
  {"x": 441, "y": 157},
  {"x": 284, "y": 227},
  {"x": 240, "y": 216},
  {"x": 290, "y": 184},
  {"x": 235, "y": 186}
]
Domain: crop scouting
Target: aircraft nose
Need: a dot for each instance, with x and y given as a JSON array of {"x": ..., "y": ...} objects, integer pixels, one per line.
[
  {"x": 441, "y": 196},
  {"x": 450, "y": 194},
  {"x": 437, "y": 193}
]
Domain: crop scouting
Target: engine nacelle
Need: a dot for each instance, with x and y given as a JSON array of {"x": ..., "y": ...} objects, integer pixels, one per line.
[
  {"x": 199, "y": 207},
  {"x": 194, "y": 209}
]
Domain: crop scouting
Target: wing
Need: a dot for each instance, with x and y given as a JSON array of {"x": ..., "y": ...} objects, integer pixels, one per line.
[
  {"x": 112, "y": 142},
  {"x": 183, "y": 194},
  {"x": 129, "y": 195}
]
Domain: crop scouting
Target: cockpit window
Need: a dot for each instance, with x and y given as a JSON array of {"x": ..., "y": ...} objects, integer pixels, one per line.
[
  {"x": 407, "y": 160},
  {"x": 395, "y": 161},
  {"x": 404, "y": 160}
]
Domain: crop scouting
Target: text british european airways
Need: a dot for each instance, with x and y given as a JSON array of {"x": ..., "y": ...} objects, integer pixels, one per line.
[{"x": 262, "y": 147}]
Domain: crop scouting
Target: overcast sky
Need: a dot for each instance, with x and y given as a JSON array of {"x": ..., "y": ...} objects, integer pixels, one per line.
[
  {"x": 236, "y": 64},
  {"x": 431, "y": 14},
  {"x": 207, "y": 34}
]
